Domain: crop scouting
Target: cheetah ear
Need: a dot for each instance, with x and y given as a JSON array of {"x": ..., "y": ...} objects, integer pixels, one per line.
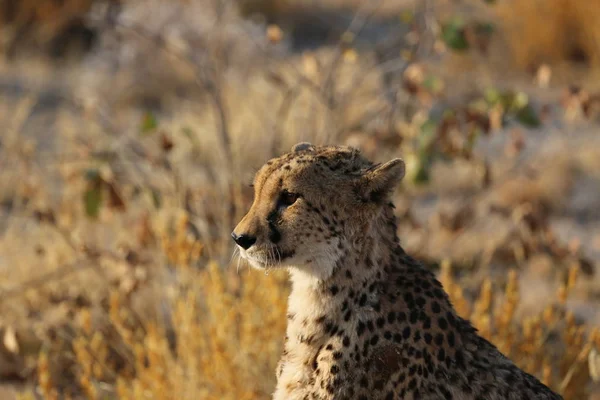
[
  {"x": 302, "y": 146},
  {"x": 378, "y": 184}
]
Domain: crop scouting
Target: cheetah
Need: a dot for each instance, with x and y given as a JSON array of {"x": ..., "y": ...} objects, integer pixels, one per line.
[{"x": 365, "y": 320}]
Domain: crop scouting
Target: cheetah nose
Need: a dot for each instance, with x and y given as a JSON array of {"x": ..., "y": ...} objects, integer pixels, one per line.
[{"x": 244, "y": 241}]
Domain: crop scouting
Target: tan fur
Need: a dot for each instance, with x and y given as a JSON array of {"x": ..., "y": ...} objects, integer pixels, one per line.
[{"x": 365, "y": 320}]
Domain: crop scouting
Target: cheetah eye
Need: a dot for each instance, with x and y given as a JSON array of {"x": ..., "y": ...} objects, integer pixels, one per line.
[{"x": 287, "y": 198}]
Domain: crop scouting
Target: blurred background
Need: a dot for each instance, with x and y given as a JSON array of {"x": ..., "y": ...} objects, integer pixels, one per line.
[{"x": 130, "y": 131}]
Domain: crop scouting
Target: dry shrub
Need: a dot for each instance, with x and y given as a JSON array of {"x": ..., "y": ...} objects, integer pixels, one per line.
[
  {"x": 220, "y": 337},
  {"x": 226, "y": 336},
  {"x": 46, "y": 24},
  {"x": 227, "y": 342},
  {"x": 223, "y": 337},
  {"x": 551, "y": 31}
]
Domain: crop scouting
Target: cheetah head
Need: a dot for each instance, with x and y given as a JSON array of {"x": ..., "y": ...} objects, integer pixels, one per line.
[{"x": 311, "y": 204}]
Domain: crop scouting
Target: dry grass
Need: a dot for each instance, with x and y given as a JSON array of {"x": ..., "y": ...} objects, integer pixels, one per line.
[
  {"x": 144, "y": 301},
  {"x": 221, "y": 339},
  {"x": 224, "y": 337}
]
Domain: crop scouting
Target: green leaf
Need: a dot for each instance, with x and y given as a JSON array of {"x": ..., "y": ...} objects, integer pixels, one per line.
[
  {"x": 424, "y": 164},
  {"x": 428, "y": 134},
  {"x": 516, "y": 104},
  {"x": 513, "y": 101},
  {"x": 188, "y": 132},
  {"x": 472, "y": 137},
  {"x": 92, "y": 174},
  {"x": 426, "y": 139},
  {"x": 480, "y": 106},
  {"x": 492, "y": 96},
  {"x": 485, "y": 28},
  {"x": 520, "y": 101},
  {"x": 433, "y": 83},
  {"x": 92, "y": 199},
  {"x": 453, "y": 34},
  {"x": 528, "y": 117},
  {"x": 407, "y": 16},
  {"x": 149, "y": 123},
  {"x": 156, "y": 198},
  {"x": 448, "y": 113}
]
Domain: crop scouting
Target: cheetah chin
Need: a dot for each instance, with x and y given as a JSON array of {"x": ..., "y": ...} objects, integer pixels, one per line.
[{"x": 269, "y": 258}]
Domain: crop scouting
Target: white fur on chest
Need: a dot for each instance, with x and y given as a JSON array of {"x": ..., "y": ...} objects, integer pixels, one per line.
[
  {"x": 305, "y": 336},
  {"x": 309, "y": 311}
]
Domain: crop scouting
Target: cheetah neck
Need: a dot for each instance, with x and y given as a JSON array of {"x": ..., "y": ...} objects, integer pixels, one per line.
[
  {"x": 361, "y": 264},
  {"x": 322, "y": 311},
  {"x": 363, "y": 258}
]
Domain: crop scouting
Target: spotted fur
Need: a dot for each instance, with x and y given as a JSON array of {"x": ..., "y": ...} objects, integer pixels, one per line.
[{"x": 365, "y": 320}]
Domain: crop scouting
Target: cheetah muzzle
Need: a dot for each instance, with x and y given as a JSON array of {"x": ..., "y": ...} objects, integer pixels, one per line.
[{"x": 365, "y": 320}]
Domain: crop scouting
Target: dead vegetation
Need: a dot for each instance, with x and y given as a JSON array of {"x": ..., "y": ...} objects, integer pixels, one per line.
[
  {"x": 55, "y": 28},
  {"x": 117, "y": 197},
  {"x": 541, "y": 32}
]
